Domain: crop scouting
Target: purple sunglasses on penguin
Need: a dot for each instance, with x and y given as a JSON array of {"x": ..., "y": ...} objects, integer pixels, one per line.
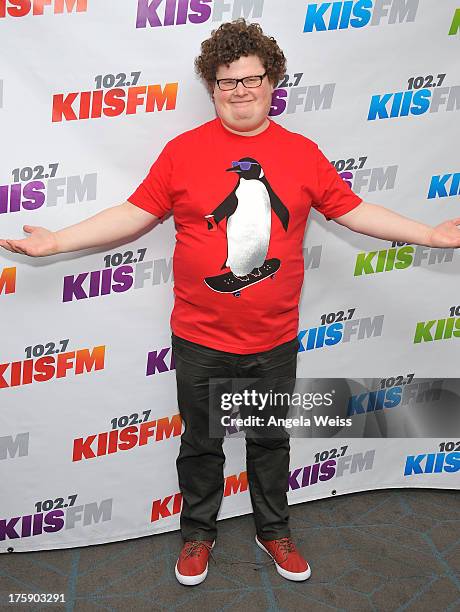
[{"x": 244, "y": 165}]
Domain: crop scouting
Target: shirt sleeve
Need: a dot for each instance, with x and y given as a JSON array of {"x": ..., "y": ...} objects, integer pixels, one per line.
[
  {"x": 333, "y": 196},
  {"x": 154, "y": 193}
]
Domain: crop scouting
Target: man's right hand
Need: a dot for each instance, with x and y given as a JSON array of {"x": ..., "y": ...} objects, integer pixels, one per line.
[{"x": 40, "y": 243}]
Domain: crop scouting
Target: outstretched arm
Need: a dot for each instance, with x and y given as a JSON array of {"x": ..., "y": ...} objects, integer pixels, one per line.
[
  {"x": 107, "y": 226},
  {"x": 380, "y": 222}
]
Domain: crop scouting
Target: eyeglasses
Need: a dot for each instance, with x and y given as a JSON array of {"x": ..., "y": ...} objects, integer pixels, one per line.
[
  {"x": 244, "y": 165},
  {"x": 249, "y": 82}
]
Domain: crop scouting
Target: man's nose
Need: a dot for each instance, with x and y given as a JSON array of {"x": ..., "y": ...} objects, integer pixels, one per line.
[{"x": 240, "y": 89}]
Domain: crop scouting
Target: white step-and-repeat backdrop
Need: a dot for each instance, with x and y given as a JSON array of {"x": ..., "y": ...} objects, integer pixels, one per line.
[{"x": 90, "y": 91}]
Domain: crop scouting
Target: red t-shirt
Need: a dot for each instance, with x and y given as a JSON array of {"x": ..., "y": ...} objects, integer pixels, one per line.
[{"x": 240, "y": 205}]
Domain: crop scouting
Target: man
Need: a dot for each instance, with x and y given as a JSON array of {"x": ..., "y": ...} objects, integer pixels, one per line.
[{"x": 240, "y": 188}]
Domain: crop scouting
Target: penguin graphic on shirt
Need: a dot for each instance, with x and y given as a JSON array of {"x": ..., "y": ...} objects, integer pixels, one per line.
[{"x": 248, "y": 212}]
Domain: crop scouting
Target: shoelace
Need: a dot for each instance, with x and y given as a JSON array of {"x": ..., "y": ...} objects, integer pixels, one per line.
[
  {"x": 195, "y": 548},
  {"x": 284, "y": 545}
]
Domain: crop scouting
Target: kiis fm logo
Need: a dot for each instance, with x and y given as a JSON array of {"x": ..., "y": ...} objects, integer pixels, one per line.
[
  {"x": 122, "y": 95},
  {"x": 289, "y": 96},
  {"x": 81, "y": 361},
  {"x": 8, "y": 281},
  {"x": 340, "y": 331},
  {"x": 424, "y": 94},
  {"x": 369, "y": 179},
  {"x": 391, "y": 397},
  {"x": 109, "y": 442},
  {"x": 11, "y": 447},
  {"x": 440, "y": 183},
  {"x": 117, "y": 279},
  {"x": 35, "y": 186},
  {"x": 386, "y": 260},
  {"x": 53, "y": 521},
  {"x": 342, "y": 15},
  {"x": 20, "y": 8},
  {"x": 336, "y": 466},
  {"x": 156, "y": 13}
]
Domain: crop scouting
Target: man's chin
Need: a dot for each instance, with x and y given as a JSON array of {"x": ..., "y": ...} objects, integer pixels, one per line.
[{"x": 245, "y": 123}]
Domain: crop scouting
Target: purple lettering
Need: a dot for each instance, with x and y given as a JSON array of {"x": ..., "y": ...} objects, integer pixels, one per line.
[
  {"x": 292, "y": 482},
  {"x": 38, "y": 524},
  {"x": 4, "y": 189},
  {"x": 328, "y": 469},
  {"x": 170, "y": 12},
  {"x": 182, "y": 12},
  {"x": 15, "y": 197},
  {"x": 156, "y": 361},
  {"x": 201, "y": 11},
  {"x": 33, "y": 191},
  {"x": 123, "y": 276},
  {"x": 147, "y": 12},
  {"x": 54, "y": 521},
  {"x": 7, "y": 528},
  {"x": 106, "y": 285},
  {"x": 278, "y": 102},
  {"x": 73, "y": 288},
  {"x": 94, "y": 282},
  {"x": 26, "y": 526}
]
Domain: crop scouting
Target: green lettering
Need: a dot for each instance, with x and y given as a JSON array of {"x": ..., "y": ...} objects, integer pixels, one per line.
[
  {"x": 455, "y": 23},
  {"x": 422, "y": 331},
  {"x": 363, "y": 263},
  {"x": 405, "y": 257}
]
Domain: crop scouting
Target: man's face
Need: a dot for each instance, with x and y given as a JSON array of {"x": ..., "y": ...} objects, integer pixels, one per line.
[{"x": 243, "y": 109}]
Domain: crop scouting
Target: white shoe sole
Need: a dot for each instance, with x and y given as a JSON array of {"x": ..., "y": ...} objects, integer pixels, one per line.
[
  {"x": 192, "y": 580},
  {"x": 297, "y": 576}
]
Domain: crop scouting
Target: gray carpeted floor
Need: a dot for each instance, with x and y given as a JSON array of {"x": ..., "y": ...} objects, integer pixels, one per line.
[{"x": 382, "y": 550}]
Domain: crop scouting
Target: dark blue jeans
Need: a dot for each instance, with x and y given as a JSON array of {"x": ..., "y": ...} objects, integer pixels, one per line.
[{"x": 201, "y": 458}]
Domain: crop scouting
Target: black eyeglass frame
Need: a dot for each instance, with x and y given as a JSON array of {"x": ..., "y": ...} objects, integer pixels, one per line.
[{"x": 260, "y": 76}]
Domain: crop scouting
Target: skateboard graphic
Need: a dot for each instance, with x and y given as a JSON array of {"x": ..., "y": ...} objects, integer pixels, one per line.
[{"x": 229, "y": 283}]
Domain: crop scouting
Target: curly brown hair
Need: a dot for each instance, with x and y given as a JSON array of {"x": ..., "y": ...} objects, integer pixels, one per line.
[{"x": 233, "y": 40}]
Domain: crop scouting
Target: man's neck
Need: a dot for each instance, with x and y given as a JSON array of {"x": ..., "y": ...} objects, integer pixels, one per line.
[{"x": 262, "y": 127}]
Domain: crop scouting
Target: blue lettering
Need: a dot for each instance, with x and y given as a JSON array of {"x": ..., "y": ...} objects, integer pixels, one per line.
[
  {"x": 378, "y": 107},
  {"x": 438, "y": 186},
  {"x": 314, "y": 17},
  {"x": 452, "y": 463},
  {"x": 334, "y": 334},
  {"x": 413, "y": 465},
  {"x": 421, "y": 102},
  {"x": 355, "y": 404},
  {"x": 393, "y": 397},
  {"x": 362, "y": 14},
  {"x": 300, "y": 337}
]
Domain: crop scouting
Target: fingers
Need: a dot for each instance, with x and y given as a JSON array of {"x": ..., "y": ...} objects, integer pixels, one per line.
[
  {"x": 6, "y": 246},
  {"x": 14, "y": 247}
]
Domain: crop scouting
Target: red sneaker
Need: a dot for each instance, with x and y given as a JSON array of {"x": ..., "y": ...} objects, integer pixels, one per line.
[
  {"x": 192, "y": 564},
  {"x": 289, "y": 562}
]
